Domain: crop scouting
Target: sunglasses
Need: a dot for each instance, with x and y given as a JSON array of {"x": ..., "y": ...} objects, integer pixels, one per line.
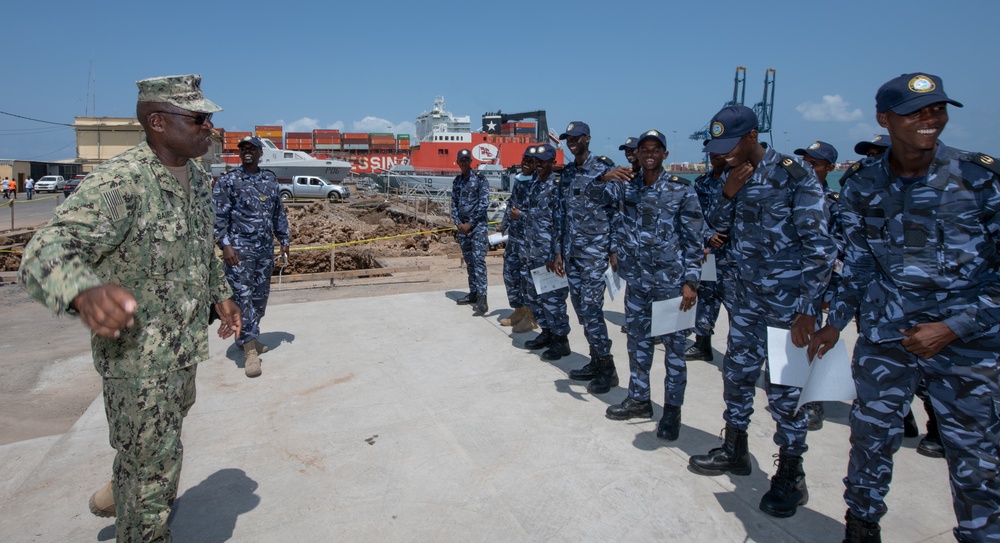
[{"x": 199, "y": 119}]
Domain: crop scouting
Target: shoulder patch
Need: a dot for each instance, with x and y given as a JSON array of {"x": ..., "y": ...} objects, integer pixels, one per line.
[
  {"x": 851, "y": 171},
  {"x": 794, "y": 168},
  {"x": 606, "y": 161},
  {"x": 985, "y": 161},
  {"x": 114, "y": 204}
]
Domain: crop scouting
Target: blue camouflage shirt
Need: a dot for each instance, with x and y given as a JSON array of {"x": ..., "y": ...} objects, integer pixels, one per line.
[
  {"x": 921, "y": 252},
  {"x": 515, "y": 228},
  {"x": 470, "y": 199},
  {"x": 248, "y": 210},
  {"x": 586, "y": 223},
  {"x": 540, "y": 213}
]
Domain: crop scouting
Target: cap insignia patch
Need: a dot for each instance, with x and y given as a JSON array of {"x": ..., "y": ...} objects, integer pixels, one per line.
[
  {"x": 814, "y": 146},
  {"x": 717, "y": 129},
  {"x": 570, "y": 127},
  {"x": 921, "y": 83}
]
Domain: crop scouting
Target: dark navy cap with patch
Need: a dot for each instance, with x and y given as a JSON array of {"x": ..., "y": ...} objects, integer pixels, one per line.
[
  {"x": 545, "y": 152},
  {"x": 464, "y": 153},
  {"x": 882, "y": 141},
  {"x": 652, "y": 134},
  {"x": 728, "y": 126},
  {"x": 530, "y": 152},
  {"x": 820, "y": 150},
  {"x": 249, "y": 140},
  {"x": 575, "y": 128},
  {"x": 630, "y": 143},
  {"x": 911, "y": 92}
]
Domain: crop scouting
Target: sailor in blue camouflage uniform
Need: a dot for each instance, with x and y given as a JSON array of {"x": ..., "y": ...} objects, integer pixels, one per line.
[
  {"x": 513, "y": 225},
  {"x": 586, "y": 254},
  {"x": 921, "y": 269},
  {"x": 541, "y": 215},
  {"x": 470, "y": 193},
  {"x": 874, "y": 148},
  {"x": 708, "y": 187},
  {"x": 249, "y": 215},
  {"x": 659, "y": 257},
  {"x": 783, "y": 255}
]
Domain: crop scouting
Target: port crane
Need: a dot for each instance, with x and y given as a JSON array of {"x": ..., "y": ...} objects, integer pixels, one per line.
[{"x": 763, "y": 109}]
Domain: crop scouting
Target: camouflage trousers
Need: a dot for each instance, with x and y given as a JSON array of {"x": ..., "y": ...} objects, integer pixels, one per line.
[
  {"x": 474, "y": 247},
  {"x": 638, "y": 319},
  {"x": 746, "y": 355},
  {"x": 250, "y": 280},
  {"x": 548, "y": 309},
  {"x": 709, "y": 303},
  {"x": 144, "y": 418},
  {"x": 586, "y": 290},
  {"x": 513, "y": 278},
  {"x": 962, "y": 383}
]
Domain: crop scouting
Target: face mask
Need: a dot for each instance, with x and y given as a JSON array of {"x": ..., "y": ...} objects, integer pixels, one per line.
[{"x": 522, "y": 177}]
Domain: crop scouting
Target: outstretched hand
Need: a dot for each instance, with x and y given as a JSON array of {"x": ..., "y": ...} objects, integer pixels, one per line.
[
  {"x": 106, "y": 309},
  {"x": 231, "y": 320}
]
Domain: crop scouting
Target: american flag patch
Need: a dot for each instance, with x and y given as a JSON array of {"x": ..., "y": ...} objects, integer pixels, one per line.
[{"x": 114, "y": 204}]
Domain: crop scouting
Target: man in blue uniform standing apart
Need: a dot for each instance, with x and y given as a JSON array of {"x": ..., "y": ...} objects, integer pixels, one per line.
[
  {"x": 249, "y": 215},
  {"x": 921, "y": 270},
  {"x": 783, "y": 255},
  {"x": 470, "y": 195}
]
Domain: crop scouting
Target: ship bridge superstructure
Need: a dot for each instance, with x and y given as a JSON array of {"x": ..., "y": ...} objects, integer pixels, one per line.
[{"x": 441, "y": 126}]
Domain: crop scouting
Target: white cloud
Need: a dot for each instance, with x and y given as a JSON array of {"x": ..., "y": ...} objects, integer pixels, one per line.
[
  {"x": 865, "y": 131},
  {"x": 305, "y": 124},
  {"x": 832, "y": 108}
]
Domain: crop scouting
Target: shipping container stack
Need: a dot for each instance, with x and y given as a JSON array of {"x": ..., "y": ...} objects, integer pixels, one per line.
[
  {"x": 354, "y": 142},
  {"x": 403, "y": 142},
  {"x": 271, "y": 132},
  {"x": 381, "y": 141},
  {"x": 326, "y": 142},
  {"x": 299, "y": 141}
]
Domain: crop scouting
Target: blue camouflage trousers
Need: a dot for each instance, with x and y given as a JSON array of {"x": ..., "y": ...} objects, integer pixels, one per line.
[
  {"x": 709, "y": 303},
  {"x": 513, "y": 278},
  {"x": 144, "y": 420},
  {"x": 474, "y": 247},
  {"x": 548, "y": 309},
  {"x": 638, "y": 319},
  {"x": 962, "y": 383},
  {"x": 746, "y": 354},
  {"x": 586, "y": 290},
  {"x": 250, "y": 280}
]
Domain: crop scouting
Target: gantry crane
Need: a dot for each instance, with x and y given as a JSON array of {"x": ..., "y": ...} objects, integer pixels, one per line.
[{"x": 763, "y": 109}]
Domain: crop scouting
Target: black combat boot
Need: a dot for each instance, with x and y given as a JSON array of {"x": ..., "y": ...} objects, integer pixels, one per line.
[
  {"x": 541, "y": 340},
  {"x": 481, "y": 308},
  {"x": 788, "y": 488},
  {"x": 558, "y": 348},
  {"x": 607, "y": 376},
  {"x": 469, "y": 299},
  {"x": 815, "y": 415},
  {"x": 861, "y": 531},
  {"x": 630, "y": 409},
  {"x": 701, "y": 350},
  {"x": 587, "y": 372},
  {"x": 910, "y": 428},
  {"x": 670, "y": 423},
  {"x": 931, "y": 445},
  {"x": 733, "y": 456}
]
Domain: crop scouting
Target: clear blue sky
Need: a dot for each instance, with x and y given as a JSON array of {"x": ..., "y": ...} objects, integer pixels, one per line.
[{"x": 621, "y": 67}]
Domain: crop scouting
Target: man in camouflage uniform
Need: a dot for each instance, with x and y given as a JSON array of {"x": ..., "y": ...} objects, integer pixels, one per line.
[
  {"x": 783, "y": 254},
  {"x": 249, "y": 215},
  {"x": 541, "y": 216},
  {"x": 921, "y": 271},
  {"x": 586, "y": 252},
  {"x": 513, "y": 225},
  {"x": 470, "y": 195},
  {"x": 874, "y": 148},
  {"x": 132, "y": 253},
  {"x": 660, "y": 251}
]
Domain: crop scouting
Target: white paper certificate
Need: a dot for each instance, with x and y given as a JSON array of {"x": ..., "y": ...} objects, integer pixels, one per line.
[
  {"x": 546, "y": 281},
  {"x": 613, "y": 281},
  {"x": 667, "y": 317},
  {"x": 708, "y": 268}
]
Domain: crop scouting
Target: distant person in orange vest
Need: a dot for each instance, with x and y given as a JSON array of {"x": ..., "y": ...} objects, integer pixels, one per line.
[{"x": 13, "y": 188}]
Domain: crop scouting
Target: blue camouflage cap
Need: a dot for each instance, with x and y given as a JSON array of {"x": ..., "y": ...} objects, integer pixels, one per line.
[
  {"x": 820, "y": 150},
  {"x": 251, "y": 140},
  {"x": 728, "y": 126},
  {"x": 911, "y": 92},
  {"x": 630, "y": 143},
  {"x": 545, "y": 152},
  {"x": 464, "y": 153},
  {"x": 654, "y": 134},
  {"x": 575, "y": 128},
  {"x": 882, "y": 141},
  {"x": 183, "y": 91}
]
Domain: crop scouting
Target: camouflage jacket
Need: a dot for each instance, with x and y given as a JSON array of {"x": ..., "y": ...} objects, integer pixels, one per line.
[
  {"x": 585, "y": 223},
  {"x": 133, "y": 224},
  {"x": 924, "y": 252},
  {"x": 709, "y": 191},
  {"x": 248, "y": 210},
  {"x": 470, "y": 199},
  {"x": 540, "y": 212},
  {"x": 661, "y": 231},
  {"x": 515, "y": 228},
  {"x": 778, "y": 238}
]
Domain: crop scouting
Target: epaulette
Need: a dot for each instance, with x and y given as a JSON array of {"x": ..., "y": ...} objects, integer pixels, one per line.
[
  {"x": 985, "y": 161},
  {"x": 793, "y": 168},
  {"x": 855, "y": 168},
  {"x": 606, "y": 161}
]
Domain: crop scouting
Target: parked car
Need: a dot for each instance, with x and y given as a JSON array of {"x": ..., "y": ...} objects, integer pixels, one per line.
[
  {"x": 73, "y": 184},
  {"x": 49, "y": 183},
  {"x": 307, "y": 186}
]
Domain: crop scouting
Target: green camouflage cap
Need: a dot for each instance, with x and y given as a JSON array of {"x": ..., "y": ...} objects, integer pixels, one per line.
[{"x": 183, "y": 91}]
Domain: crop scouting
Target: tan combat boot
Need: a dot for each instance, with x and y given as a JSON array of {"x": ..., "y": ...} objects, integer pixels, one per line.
[
  {"x": 102, "y": 502},
  {"x": 515, "y": 317},
  {"x": 527, "y": 324},
  {"x": 261, "y": 348},
  {"x": 252, "y": 364}
]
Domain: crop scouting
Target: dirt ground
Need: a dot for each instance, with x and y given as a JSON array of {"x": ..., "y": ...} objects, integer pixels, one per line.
[{"x": 47, "y": 379}]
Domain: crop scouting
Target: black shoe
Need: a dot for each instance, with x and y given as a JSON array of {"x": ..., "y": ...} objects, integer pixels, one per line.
[
  {"x": 861, "y": 531},
  {"x": 587, "y": 372},
  {"x": 733, "y": 456},
  {"x": 624, "y": 330},
  {"x": 931, "y": 447},
  {"x": 788, "y": 488},
  {"x": 607, "y": 376},
  {"x": 540, "y": 341},
  {"x": 700, "y": 350},
  {"x": 910, "y": 428},
  {"x": 469, "y": 299},
  {"x": 815, "y": 415},
  {"x": 481, "y": 308},
  {"x": 670, "y": 423},
  {"x": 630, "y": 409},
  {"x": 558, "y": 348}
]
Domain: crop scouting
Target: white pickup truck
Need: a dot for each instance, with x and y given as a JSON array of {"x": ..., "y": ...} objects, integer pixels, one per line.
[{"x": 309, "y": 186}]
